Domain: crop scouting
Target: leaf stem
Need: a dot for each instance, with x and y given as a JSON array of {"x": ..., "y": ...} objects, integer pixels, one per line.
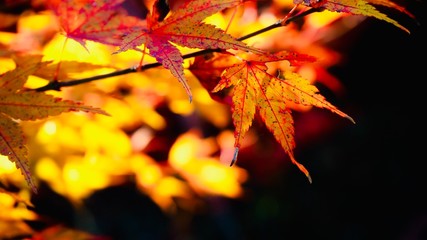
[{"x": 56, "y": 85}]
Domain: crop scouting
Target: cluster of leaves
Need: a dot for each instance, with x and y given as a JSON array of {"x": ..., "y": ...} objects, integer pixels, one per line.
[
  {"x": 253, "y": 87},
  {"x": 19, "y": 104},
  {"x": 233, "y": 72}
]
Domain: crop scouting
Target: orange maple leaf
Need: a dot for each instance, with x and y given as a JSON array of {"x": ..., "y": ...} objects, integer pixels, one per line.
[
  {"x": 183, "y": 27},
  {"x": 256, "y": 90},
  {"x": 18, "y": 104},
  {"x": 358, "y": 7}
]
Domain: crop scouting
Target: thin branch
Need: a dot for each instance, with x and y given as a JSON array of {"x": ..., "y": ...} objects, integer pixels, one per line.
[{"x": 56, "y": 85}]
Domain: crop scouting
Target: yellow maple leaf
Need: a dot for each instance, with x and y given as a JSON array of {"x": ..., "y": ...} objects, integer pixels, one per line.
[
  {"x": 17, "y": 103},
  {"x": 359, "y": 7}
]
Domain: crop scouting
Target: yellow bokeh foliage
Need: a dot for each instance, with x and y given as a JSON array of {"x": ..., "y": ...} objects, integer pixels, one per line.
[{"x": 77, "y": 154}]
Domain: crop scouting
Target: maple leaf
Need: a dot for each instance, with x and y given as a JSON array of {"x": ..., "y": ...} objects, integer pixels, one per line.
[
  {"x": 101, "y": 21},
  {"x": 184, "y": 27},
  {"x": 14, "y": 214},
  {"x": 256, "y": 90},
  {"x": 18, "y": 104},
  {"x": 358, "y": 7}
]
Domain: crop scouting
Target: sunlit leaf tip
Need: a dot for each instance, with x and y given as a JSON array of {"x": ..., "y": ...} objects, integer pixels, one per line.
[
  {"x": 33, "y": 187},
  {"x": 26, "y": 173},
  {"x": 302, "y": 168},
  {"x": 187, "y": 89},
  {"x": 236, "y": 152},
  {"x": 309, "y": 178},
  {"x": 350, "y": 118}
]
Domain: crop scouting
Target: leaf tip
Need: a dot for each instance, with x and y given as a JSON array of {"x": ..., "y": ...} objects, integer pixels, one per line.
[
  {"x": 117, "y": 51},
  {"x": 34, "y": 188},
  {"x": 309, "y": 178},
  {"x": 236, "y": 152},
  {"x": 105, "y": 113},
  {"x": 302, "y": 169},
  {"x": 351, "y": 119}
]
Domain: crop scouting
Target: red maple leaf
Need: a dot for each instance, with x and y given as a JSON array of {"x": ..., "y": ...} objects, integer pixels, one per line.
[{"x": 184, "y": 27}]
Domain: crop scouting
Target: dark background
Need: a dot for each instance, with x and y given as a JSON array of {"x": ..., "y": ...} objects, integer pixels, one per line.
[{"x": 368, "y": 178}]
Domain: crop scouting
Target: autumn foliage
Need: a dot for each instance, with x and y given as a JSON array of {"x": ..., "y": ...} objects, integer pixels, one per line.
[{"x": 78, "y": 104}]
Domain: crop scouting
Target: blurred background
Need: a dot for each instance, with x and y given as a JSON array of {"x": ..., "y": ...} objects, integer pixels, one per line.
[{"x": 158, "y": 169}]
